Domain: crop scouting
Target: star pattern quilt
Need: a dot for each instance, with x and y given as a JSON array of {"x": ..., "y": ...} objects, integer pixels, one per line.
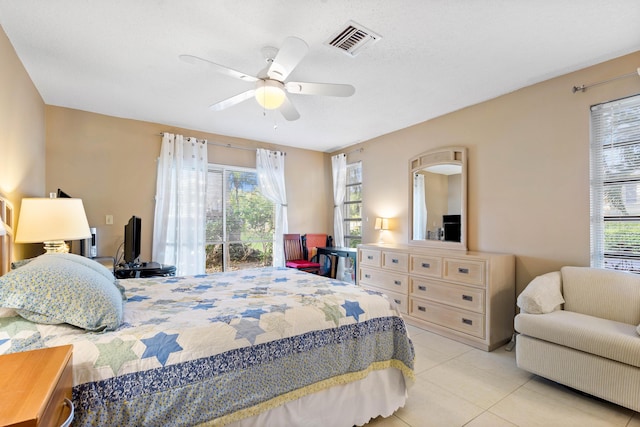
[{"x": 212, "y": 349}]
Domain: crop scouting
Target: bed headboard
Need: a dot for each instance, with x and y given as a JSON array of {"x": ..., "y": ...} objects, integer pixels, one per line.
[{"x": 6, "y": 241}]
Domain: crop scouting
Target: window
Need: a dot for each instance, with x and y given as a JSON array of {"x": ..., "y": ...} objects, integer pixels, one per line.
[
  {"x": 615, "y": 185},
  {"x": 353, "y": 206},
  {"x": 239, "y": 221}
]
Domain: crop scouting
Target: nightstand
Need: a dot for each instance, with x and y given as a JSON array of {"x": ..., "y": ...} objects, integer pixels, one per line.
[{"x": 35, "y": 388}]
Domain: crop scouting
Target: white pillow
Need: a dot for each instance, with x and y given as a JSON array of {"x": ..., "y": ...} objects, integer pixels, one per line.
[
  {"x": 638, "y": 329},
  {"x": 542, "y": 295}
]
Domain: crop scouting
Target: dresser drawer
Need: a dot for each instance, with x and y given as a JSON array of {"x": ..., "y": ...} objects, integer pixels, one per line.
[
  {"x": 386, "y": 280},
  {"x": 370, "y": 257},
  {"x": 396, "y": 261},
  {"x": 448, "y": 293},
  {"x": 464, "y": 271},
  {"x": 401, "y": 301},
  {"x": 449, "y": 317},
  {"x": 426, "y": 265}
]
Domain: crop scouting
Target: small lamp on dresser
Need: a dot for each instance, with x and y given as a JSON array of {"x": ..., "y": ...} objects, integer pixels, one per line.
[
  {"x": 52, "y": 221},
  {"x": 381, "y": 224}
]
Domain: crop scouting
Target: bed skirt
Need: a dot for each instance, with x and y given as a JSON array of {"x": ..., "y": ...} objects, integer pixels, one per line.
[{"x": 341, "y": 405}]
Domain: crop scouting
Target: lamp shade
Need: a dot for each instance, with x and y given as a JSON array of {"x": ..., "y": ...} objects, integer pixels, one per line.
[
  {"x": 381, "y": 224},
  {"x": 45, "y": 220}
]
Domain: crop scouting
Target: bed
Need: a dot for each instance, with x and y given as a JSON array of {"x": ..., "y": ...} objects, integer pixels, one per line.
[{"x": 259, "y": 347}]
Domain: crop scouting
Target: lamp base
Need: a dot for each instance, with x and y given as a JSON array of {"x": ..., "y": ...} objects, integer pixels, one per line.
[{"x": 56, "y": 247}]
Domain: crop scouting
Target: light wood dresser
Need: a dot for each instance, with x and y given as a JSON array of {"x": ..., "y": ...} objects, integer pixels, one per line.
[
  {"x": 465, "y": 296},
  {"x": 35, "y": 388}
]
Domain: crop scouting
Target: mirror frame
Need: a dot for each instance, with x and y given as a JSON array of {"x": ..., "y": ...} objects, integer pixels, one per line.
[{"x": 440, "y": 156}]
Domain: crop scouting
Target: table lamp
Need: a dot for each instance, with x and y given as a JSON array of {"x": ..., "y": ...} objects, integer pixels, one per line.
[
  {"x": 52, "y": 221},
  {"x": 381, "y": 224}
]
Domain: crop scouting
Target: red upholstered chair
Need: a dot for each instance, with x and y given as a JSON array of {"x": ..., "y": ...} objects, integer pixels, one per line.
[
  {"x": 310, "y": 243},
  {"x": 294, "y": 255}
]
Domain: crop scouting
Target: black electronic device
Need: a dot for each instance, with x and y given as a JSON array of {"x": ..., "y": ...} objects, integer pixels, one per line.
[
  {"x": 452, "y": 227},
  {"x": 62, "y": 195},
  {"x": 132, "y": 239}
]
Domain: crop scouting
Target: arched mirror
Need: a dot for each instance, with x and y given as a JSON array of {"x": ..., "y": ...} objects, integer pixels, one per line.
[{"x": 438, "y": 199}]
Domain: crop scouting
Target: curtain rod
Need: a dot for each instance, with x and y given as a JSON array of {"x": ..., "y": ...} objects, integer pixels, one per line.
[
  {"x": 585, "y": 87},
  {"x": 218, "y": 144}
]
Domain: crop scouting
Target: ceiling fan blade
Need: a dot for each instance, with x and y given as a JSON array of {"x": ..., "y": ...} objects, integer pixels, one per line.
[
  {"x": 233, "y": 100},
  {"x": 290, "y": 54},
  {"x": 288, "y": 111},
  {"x": 326, "y": 89},
  {"x": 217, "y": 68}
]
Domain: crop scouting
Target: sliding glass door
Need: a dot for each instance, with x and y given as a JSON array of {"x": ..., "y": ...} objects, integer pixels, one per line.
[{"x": 239, "y": 221}]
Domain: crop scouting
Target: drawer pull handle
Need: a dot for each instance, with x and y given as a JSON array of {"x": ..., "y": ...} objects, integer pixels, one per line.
[
  {"x": 463, "y": 270},
  {"x": 422, "y": 288},
  {"x": 67, "y": 422},
  {"x": 467, "y": 297},
  {"x": 395, "y": 260},
  {"x": 467, "y": 321},
  {"x": 368, "y": 276},
  {"x": 397, "y": 282},
  {"x": 421, "y": 308},
  {"x": 397, "y": 301},
  {"x": 369, "y": 256},
  {"x": 426, "y": 265}
]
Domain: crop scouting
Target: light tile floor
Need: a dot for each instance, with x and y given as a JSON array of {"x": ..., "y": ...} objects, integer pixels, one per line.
[{"x": 458, "y": 385}]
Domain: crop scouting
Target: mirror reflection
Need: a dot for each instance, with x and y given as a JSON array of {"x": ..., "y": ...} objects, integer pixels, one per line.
[
  {"x": 437, "y": 203},
  {"x": 438, "y": 198}
]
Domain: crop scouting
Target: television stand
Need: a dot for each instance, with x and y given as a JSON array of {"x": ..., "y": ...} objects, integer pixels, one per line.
[{"x": 144, "y": 269}]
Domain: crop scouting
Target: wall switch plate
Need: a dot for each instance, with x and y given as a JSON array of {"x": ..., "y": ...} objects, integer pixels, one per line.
[{"x": 108, "y": 219}]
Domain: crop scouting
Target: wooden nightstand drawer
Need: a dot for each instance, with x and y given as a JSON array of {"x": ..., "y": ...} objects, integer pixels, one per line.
[{"x": 34, "y": 385}]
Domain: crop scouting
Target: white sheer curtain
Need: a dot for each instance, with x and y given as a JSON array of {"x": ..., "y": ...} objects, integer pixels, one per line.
[
  {"x": 339, "y": 171},
  {"x": 270, "y": 168},
  {"x": 419, "y": 208},
  {"x": 179, "y": 221}
]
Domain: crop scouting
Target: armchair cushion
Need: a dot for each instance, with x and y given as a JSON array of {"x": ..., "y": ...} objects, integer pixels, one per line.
[{"x": 542, "y": 295}]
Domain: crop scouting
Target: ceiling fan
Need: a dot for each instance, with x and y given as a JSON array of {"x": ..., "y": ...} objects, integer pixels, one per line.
[{"x": 271, "y": 87}]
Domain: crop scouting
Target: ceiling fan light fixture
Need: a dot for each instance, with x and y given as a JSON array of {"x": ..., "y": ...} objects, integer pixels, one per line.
[{"x": 270, "y": 94}]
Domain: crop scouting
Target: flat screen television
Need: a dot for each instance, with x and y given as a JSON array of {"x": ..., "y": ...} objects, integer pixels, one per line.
[{"x": 132, "y": 234}]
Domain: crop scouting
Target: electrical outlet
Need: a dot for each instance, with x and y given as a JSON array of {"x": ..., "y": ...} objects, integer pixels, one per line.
[{"x": 108, "y": 219}]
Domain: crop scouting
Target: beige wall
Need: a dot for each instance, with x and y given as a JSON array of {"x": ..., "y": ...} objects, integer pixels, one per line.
[
  {"x": 528, "y": 168},
  {"x": 528, "y": 165},
  {"x": 111, "y": 164},
  {"x": 22, "y": 135}
]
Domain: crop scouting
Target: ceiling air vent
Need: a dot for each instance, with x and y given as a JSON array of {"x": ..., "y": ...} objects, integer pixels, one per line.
[{"x": 353, "y": 38}]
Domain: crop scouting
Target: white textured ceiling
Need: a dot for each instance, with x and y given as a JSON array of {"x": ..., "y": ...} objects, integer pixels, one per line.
[{"x": 120, "y": 57}]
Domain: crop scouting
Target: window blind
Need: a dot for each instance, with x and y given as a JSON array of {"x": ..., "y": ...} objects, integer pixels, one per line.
[{"x": 615, "y": 184}]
